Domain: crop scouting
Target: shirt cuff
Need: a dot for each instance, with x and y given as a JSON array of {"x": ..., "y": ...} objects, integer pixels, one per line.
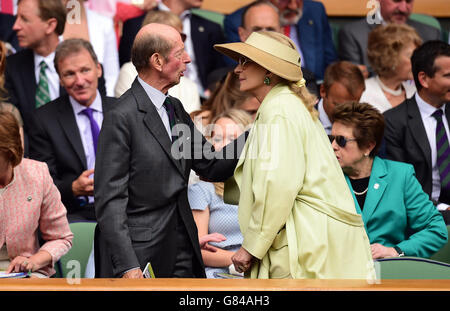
[
  {"x": 130, "y": 270},
  {"x": 442, "y": 206}
]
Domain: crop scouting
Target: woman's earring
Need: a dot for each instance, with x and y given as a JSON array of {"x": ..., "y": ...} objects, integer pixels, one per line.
[{"x": 267, "y": 80}]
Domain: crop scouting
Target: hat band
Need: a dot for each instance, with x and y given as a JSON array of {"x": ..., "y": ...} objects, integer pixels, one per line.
[{"x": 275, "y": 48}]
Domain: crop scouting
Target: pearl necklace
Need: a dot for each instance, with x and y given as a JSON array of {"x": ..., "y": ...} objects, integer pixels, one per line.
[
  {"x": 361, "y": 193},
  {"x": 389, "y": 90}
]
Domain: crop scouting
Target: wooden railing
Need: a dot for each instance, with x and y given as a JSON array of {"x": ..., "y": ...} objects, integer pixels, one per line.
[
  {"x": 219, "y": 285},
  {"x": 437, "y": 8}
]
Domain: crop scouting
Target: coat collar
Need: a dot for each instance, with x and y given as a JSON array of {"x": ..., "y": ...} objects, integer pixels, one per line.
[
  {"x": 416, "y": 126},
  {"x": 153, "y": 122},
  {"x": 377, "y": 186}
]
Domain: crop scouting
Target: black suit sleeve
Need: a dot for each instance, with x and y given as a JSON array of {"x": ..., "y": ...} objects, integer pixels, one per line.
[
  {"x": 111, "y": 177},
  {"x": 41, "y": 149},
  {"x": 393, "y": 138},
  {"x": 209, "y": 163}
]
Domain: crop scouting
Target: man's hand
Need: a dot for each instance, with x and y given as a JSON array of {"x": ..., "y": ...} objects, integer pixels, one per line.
[
  {"x": 242, "y": 260},
  {"x": 133, "y": 274},
  {"x": 83, "y": 185}
]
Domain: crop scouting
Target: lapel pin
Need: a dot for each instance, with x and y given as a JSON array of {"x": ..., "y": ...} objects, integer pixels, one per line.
[
  {"x": 376, "y": 186},
  {"x": 29, "y": 198},
  {"x": 311, "y": 22},
  {"x": 201, "y": 28}
]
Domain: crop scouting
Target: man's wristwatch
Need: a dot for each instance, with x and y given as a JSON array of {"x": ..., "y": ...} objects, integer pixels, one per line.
[{"x": 399, "y": 251}]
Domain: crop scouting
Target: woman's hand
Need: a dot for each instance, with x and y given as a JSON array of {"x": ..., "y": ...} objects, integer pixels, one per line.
[
  {"x": 212, "y": 237},
  {"x": 380, "y": 251},
  {"x": 242, "y": 260},
  {"x": 24, "y": 264}
]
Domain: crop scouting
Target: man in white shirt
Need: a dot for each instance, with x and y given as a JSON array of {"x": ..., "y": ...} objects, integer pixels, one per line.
[
  {"x": 343, "y": 82},
  {"x": 417, "y": 130}
]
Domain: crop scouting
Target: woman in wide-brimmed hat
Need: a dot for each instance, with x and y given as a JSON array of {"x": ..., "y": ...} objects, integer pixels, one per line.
[{"x": 296, "y": 213}]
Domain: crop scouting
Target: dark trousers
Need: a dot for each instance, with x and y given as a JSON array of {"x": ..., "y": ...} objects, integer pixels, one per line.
[
  {"x": 81, "y": 214},
  {"x": 185, "y": 254}
]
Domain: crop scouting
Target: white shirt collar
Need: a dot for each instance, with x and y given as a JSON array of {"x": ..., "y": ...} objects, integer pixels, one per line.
[
  {"x": 96, "y": 104},
  {"x": 426, "y": 110},
  {"x": 324, "y": 117},
  {"x": 49, "y": 60},
  {"x": 157, "y": 97}
]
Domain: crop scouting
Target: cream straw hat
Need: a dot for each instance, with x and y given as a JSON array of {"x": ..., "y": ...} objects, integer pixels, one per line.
[{"x": 278, "y": 58}]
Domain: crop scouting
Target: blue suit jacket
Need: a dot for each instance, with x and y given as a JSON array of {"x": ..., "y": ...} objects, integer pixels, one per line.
[
  {"x": 314, "y": 33},
  {"x": 395, "y": 206}
]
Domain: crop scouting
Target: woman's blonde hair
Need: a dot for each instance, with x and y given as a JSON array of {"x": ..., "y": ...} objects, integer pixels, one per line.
[
  {"x": 243, "y": 120},
  {"x": 308, "y": 99},
  {"x": 385, "y": 44}
]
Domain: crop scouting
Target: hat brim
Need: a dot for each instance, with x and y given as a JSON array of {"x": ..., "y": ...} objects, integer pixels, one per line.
[{"x": 270, "y": 62}]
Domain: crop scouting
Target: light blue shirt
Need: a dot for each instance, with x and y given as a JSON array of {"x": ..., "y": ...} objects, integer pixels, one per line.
[
  {"x": 157, "y": 98},
  {"x": 84, "y": 127},
  {"x": 323, "y": 117}
]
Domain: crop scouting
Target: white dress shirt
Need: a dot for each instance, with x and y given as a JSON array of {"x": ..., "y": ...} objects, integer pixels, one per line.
[
  {"x": 323, "y": 117},
  {"x": 430, "y": 123},
  {"x": 50, "y": 72},
  {"x": 158, "y": 98}
]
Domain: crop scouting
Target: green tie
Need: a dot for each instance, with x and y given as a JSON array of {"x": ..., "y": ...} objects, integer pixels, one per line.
[{"x": 42, "y": 91}]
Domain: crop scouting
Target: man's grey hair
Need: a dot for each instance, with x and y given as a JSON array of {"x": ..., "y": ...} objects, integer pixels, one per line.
[
  {"x": 147, "y": 45},
  {"x": 72, "y": 46}
]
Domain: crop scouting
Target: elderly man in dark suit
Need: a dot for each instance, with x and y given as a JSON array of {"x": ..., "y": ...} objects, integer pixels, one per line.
[
  {"x": 353, "y": 36},
  {"x": 201, "y": 33},
  {"x": 417, "y": 131},
  {"x": 141, "y": 176},
  {"x": 64, "y": 132}
]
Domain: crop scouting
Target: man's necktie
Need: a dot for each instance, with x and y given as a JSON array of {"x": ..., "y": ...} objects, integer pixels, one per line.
[
  {"x": 42, "y": 90},
  {"x": 94, "y": 126},
  {"x": 171, "y": 114},
  {"x": 443, "y": 154}
]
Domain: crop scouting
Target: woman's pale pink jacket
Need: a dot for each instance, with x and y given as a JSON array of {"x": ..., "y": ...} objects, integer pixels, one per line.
[{"x": 29, "y": 203}]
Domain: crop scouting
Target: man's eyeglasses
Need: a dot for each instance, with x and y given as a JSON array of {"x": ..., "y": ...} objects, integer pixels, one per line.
[
  {"x": 244, "y": 61},
  {"x": 341, "y": 141}
]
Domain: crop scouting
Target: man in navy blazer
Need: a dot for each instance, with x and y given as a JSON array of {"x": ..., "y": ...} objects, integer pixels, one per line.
[
  {"x": 201, "y": 36},
  {"x": 313, "y": 32}
]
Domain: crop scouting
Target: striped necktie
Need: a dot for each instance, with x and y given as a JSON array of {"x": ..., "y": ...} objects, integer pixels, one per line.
[
  {"x": 443, "y": 153},
  {"x": 42, "y": 91}
]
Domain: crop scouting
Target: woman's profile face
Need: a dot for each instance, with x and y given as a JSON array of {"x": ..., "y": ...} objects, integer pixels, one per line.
[
  {"x": 251, "y": 75},
  {"x": 225, "y": 131},
  {"x": 404, "y": 70},
  {"x": 349, "y": 155}
]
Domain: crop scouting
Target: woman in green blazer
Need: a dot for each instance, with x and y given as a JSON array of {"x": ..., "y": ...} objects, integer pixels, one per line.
[
  {"x": 398, "y": 215},
  {"x": 296, "y": 213}
]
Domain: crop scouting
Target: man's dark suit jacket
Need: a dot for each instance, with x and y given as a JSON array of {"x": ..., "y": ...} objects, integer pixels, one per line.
[
  {"x": 54, "y": 138},
  {"x": 407, "y": 141},
  {"x": 7, "y": 34},
  {"x": 204, "y": 34},
  {"x": 21, "y": 84},
  {"x": 140, "y": 188},
  {"x": 353, "y": 38}
]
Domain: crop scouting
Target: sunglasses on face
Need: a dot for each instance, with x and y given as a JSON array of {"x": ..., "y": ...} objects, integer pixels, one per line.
[
  {"x": 244, "y": 61},
  {"x": 341, "y": 141}
]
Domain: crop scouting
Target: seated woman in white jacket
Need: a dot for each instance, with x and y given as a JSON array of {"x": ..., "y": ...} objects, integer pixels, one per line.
[
  {"x": 99, "y": 30},
  {"x": 186, "y": 90},
  {"x": 389, "y": 51}
]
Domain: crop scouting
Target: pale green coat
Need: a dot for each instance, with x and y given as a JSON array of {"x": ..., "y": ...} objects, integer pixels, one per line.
[{"x": 296, "y": 213}]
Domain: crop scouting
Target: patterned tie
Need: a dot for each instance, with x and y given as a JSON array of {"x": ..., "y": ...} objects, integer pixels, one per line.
[
  {"x": 171, "y": 114},
  {"x": 42, "y": 91},
  {"x": 443, "y": 153},
  {"x": 94, "y": 126}
]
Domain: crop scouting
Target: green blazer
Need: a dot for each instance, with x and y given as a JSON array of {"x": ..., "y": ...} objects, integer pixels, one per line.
[{"x": 396, "y": 206}]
